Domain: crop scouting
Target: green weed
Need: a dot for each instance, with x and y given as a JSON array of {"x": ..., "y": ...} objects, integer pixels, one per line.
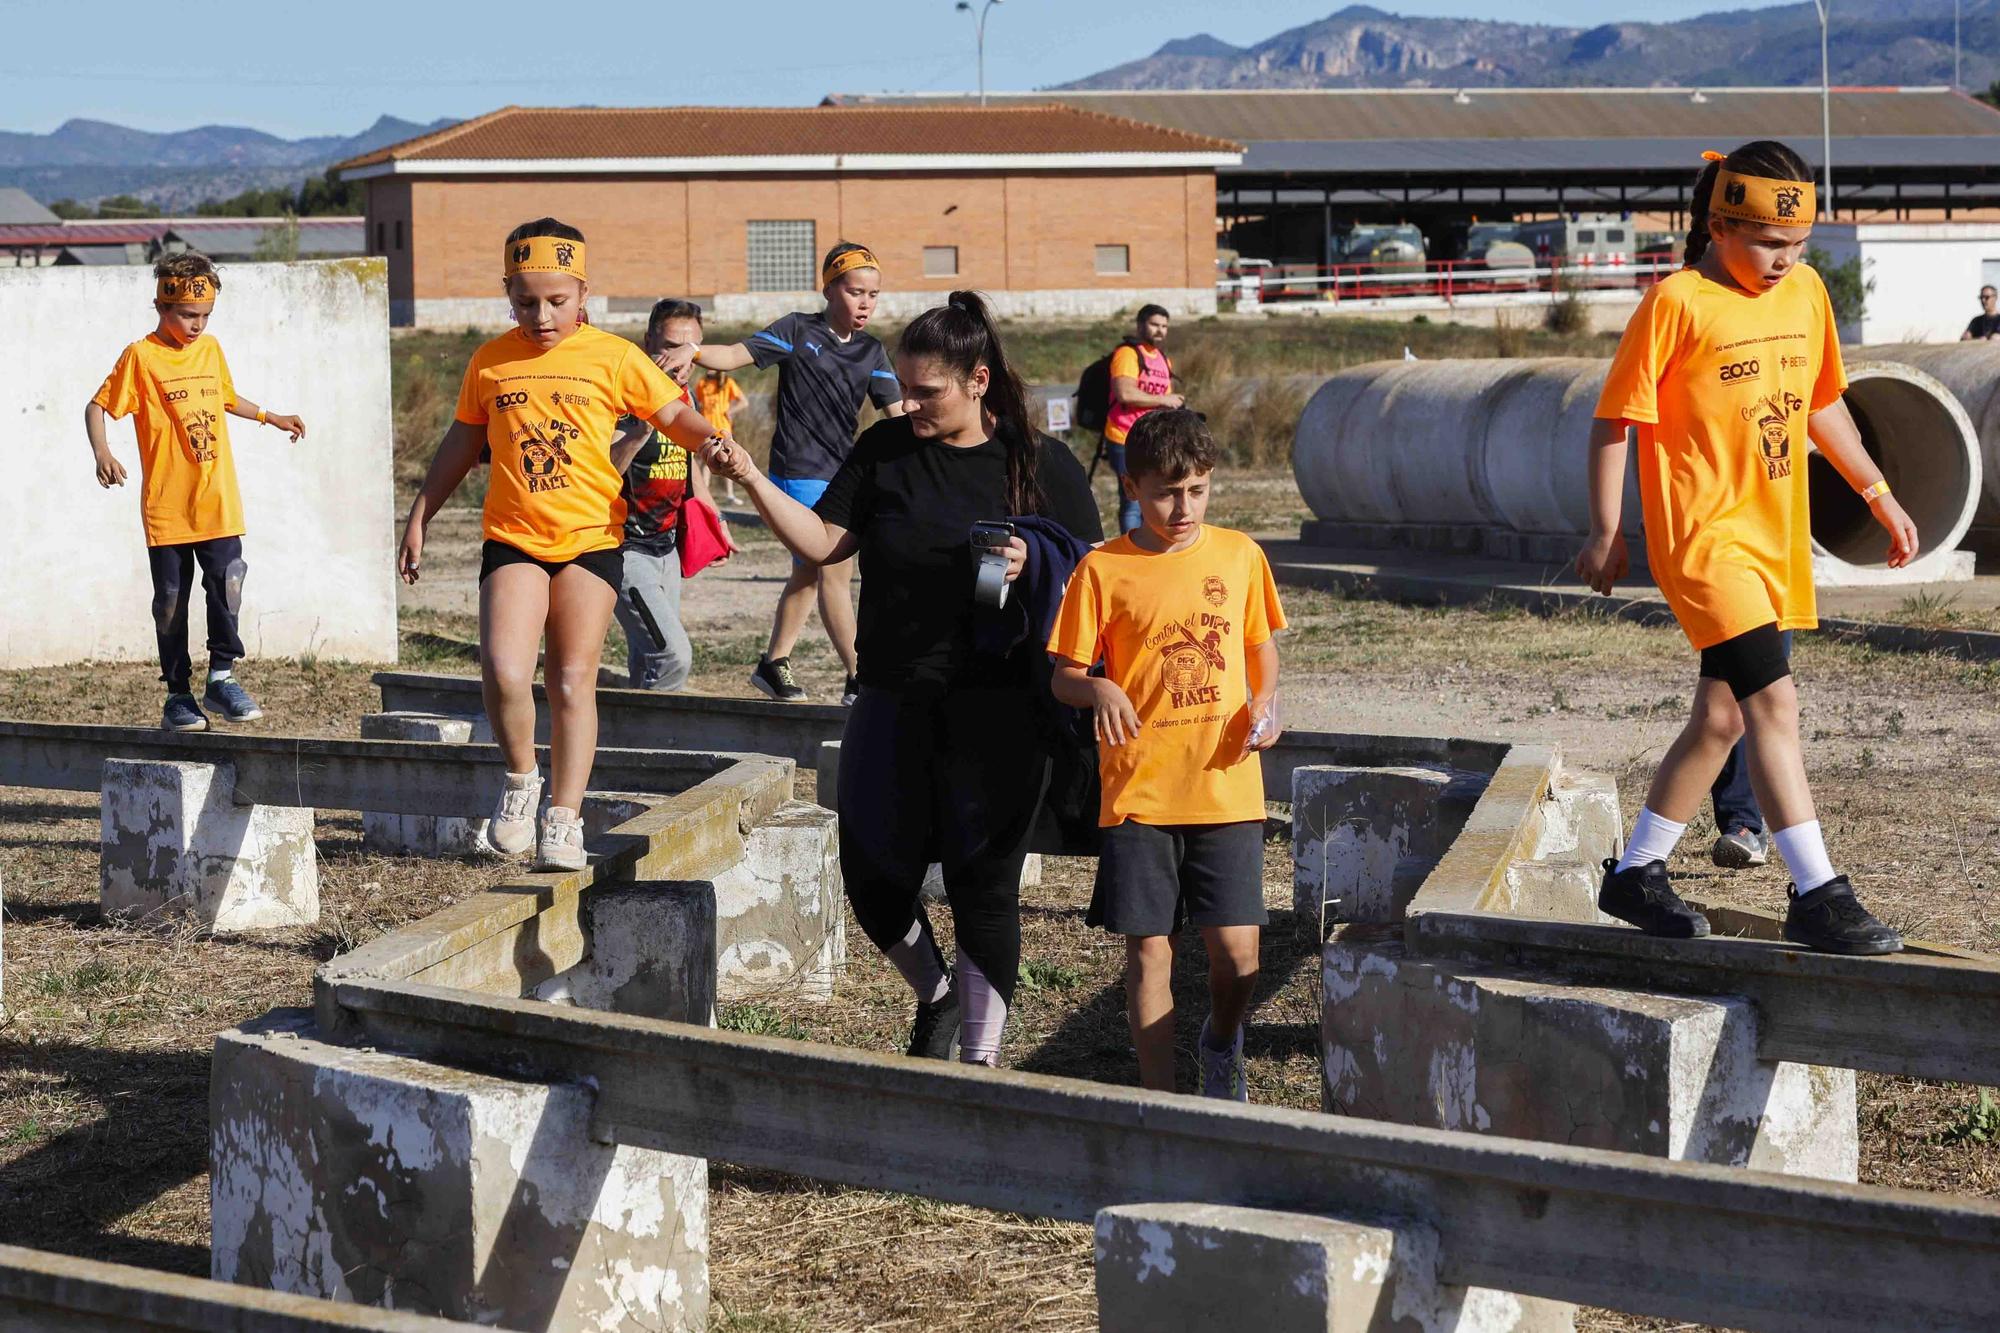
[
  {"x": 759, "y": 1020},
  {"x": 1977, "y": 1123},
  {"x": 1037, "y": 975}
]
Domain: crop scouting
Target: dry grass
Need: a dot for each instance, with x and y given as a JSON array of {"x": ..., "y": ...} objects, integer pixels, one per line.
[{"x": 104, "y": 1062}]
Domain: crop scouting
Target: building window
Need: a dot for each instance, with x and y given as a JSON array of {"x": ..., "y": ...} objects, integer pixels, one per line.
[
  {"x": 1114, "y": 259},
  {"x": 381, "y": 238},
  {"x": 782, "y": 256},
  {"x": 940, "y": 261},
  {"x": 399, "y": 233}
]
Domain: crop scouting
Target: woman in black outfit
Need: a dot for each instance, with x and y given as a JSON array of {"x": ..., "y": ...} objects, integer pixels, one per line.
[{"x": 945, "y": 756}]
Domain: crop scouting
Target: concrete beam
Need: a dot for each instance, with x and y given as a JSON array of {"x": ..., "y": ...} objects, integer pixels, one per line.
[
  {"x": 1924, "y": 1013},
  {"x": 404, "y": 777},
  {"x": 41, "y": 1292},
  {"x": 1722, "y": 1245},
  {"x": 649, "y": 719}
]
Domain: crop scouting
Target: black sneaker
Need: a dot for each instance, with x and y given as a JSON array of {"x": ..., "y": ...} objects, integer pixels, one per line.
[
  {"x": 934, "y": 1034},
  {"x": 1830, "y": 919},
  {"x": 1644, "y": 897},
  {"x": 230, "y": 699},
  {"x": 775, "y": 678},
  {"x": 850, "y": 692},
  {"x": 182, "y": 713}
]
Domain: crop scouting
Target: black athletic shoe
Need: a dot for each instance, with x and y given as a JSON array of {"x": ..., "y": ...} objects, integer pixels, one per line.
[
  {"x": 231, "y": 700},
  {"x": 934, "y": 1034},
  {"x": 182, "y": 713},
  {"x": 775, "y": 678},
  {"x": 1830, "y": 919},
  {"x": 1644, "y": 897}
]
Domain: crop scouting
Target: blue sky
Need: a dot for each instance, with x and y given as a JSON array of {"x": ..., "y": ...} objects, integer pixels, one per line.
[{"x": 331, "y": 68}]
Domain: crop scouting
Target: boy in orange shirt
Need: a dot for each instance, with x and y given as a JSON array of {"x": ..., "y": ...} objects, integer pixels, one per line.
[
  {"x": 716, "y": 395},
  {"x": 176, "y": 382},
  {"x": 1182, "y": 616}
]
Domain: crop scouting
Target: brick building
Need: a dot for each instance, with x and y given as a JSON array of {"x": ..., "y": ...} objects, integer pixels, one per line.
[{"x": 1051, "y": 210}]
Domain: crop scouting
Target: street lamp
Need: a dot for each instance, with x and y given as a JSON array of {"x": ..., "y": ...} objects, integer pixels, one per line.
[
  {"x": 1825, "y": 109},
  {"x": 965, "y": 6}
]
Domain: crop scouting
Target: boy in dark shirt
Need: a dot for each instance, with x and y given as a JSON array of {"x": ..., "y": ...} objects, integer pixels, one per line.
[
  {"x": 658, "y": 474},
  {"x": 827, "y": 364}
]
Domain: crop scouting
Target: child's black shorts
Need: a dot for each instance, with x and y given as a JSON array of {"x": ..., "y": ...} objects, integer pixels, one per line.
[
  {"x": 1152, "y": 877},
  {"x": 608, "y": 565},
  {"x": 1749, "y": 662}
]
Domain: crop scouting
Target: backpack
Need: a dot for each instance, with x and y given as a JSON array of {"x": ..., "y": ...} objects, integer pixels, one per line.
[{"x": 1093, "y": 390}]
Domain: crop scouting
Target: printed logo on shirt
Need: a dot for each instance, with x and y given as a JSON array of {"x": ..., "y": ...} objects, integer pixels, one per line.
[
  {"x": 200, "y": 427},
  {"x": 1215, "y": 590},
  {"x": 811, "y": 345},
  {"x": 1191, "y": 653},
  {"x": 1773, "y": 417},
  {"x": 1792, "y": 362},
  {"x": 545, "y": 453},
  {"x": 506, "y": 400},
  {"x": 1737, "y": 371}
]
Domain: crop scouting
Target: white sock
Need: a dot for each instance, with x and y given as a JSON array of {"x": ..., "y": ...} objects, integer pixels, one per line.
[
  {"x": 916, "y": 956},
  {"x": 214, "y": 675},
  {"x": 1653, "y": 839},
  {"x": 982, "y": 1015},
  {"x": 1805, "y": 855},
  {"x": 527, "y": 779}
]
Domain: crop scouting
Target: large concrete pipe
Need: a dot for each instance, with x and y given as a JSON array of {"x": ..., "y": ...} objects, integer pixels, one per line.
[
  {"x": 1488, "y": 457},
  {"x": 1971, "y": 370}
]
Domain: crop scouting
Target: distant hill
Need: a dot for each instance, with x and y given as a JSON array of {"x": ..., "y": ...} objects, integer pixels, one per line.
[
  {"x": 1871, "y": 42},
  {"x": 89, "y": 159}
]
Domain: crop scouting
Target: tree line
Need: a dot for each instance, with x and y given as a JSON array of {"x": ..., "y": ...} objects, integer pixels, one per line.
[{"x": 316, "y": 196}]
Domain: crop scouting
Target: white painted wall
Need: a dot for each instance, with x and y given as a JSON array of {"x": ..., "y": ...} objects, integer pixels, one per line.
[
  {"x": 310, "y": 338},
  {"x": 1927, "y": 275}
]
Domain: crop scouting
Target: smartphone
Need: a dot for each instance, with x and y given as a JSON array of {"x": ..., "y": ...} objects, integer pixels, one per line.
[{"x": 989, "y": 533}]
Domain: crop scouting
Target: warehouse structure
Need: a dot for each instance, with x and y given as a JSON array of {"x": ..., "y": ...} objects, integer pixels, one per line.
[
  {"x": 1052, "y": 210},
  {"x": 1317, "y": 161}
]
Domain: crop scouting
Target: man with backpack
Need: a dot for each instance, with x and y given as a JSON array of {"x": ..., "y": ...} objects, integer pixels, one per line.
[{"x": 1115, "y": 391}]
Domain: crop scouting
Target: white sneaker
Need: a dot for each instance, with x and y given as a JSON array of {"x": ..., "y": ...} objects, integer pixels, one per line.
[
  {"x": 561, "y": 846},
  {"x": 1222, "y": 1075},
  {"x": 511, "y": 831}
]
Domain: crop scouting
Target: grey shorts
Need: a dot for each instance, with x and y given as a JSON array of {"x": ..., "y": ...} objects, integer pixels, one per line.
[{"x": 1153, "y": 877}]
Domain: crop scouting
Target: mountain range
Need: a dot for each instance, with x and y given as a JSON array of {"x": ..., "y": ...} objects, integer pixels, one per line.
[
  {"x": 88, "y": 159},
  {"x": 1871, "y": 42}
]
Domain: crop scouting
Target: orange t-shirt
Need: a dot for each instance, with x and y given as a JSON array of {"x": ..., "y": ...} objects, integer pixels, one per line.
[
  {"x": 714, "y": 395},
  {"x": 1154, "y": 373},
  {"x": 1720, "y": 383},
  {"x": 1173, "y": 629},
  {"x": 187, "y": 491},
  {"x": 550, "y": 417}
]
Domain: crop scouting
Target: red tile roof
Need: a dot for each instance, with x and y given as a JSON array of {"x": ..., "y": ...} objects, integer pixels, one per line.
[
  {"x": 701, "y": 131},
  {"x": 23, "y": 234}
]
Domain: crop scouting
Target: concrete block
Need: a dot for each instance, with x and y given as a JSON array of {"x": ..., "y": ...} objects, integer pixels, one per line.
[
  {"x": 1455, "y": 1046},
  {"x": 357, "y": 1175},
  {"x": 175, "y": 840},
  {"x": 1167, "y": 1267},
  {"x": 1351, "y": 830},
  {"x": 1581, "y": 820},
  {"x": 606, "y": 810},
  {"x": 394, "y": 834},
  {"x": 650, "y": 952},
  {"x": 779, "y": 918}
]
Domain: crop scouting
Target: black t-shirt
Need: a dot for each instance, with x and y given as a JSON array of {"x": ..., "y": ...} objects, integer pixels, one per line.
[
  {"x": 912, "y": 503},
  {"x": 1983, "y": 326},
  {"x": 656, "y": 485},
  {"x": 821, "y": 382}
]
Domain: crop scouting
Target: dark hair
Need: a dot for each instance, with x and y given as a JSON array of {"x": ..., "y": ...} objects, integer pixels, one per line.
[
  {"x": 1147, "y": 311},
  {"x": 962, "y": 337},
  {"x": 672, "y": 307},
  {"x": 1170, "y": 442},
  {"x": 544, "y": 227},
  {"x": 1760, "y": 157},
  {"x": 187, "y": 264}
]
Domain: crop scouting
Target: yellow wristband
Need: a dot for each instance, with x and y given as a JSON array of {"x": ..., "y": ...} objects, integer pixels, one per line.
[
  {"x": 263, "y": 417},
  {"x": 1875, "y": 492}
]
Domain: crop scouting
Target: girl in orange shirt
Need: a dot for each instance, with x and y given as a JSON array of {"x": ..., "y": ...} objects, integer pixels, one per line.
[
  {"x": 545, "y": 398},
  {"x": 1730, "y": 370}
]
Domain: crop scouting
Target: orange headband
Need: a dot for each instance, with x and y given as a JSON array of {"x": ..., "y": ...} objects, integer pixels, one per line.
[
  {"x": 545, "y": 254},
  {"x": 845, "y": 263},
  {"x": 1760, "y": 199},
  {"x": 194, "y": 288}
]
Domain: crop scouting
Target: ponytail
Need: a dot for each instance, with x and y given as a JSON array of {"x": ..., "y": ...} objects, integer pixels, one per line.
[
  {"x": 1760, "y": 157},
  {"x": 961, "y": 336}
]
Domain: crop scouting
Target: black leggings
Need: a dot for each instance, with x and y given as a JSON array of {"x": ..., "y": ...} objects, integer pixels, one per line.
[
  {"x": 955, "y": 777},
  {"x": 222, "y": 571}
]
